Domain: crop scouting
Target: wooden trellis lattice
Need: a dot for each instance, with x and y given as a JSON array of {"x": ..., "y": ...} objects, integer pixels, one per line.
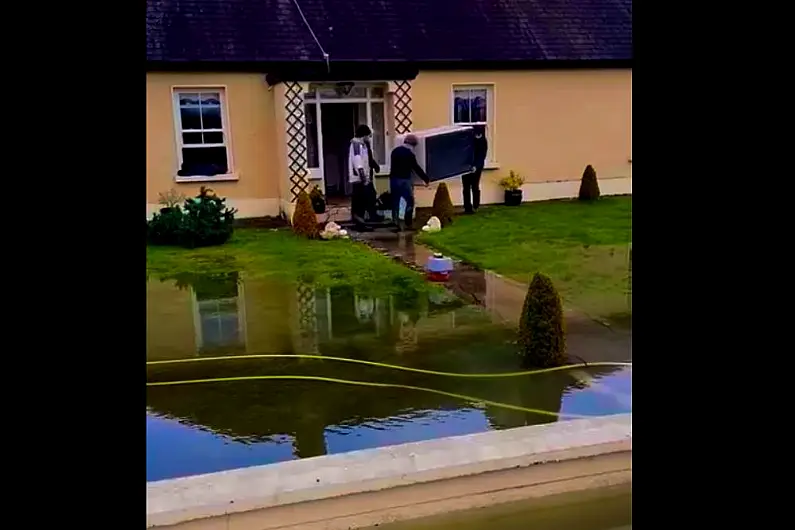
[
  {"x": 402, "y": 104},
  {"x": 296, "y": 139}
]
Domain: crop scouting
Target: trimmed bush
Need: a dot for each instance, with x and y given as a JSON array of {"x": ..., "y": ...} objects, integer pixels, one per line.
[
  {"x": 589, "y": 186},
  {"x": 304, "y": 219},
  {"x": 165, "y": 227},
  {"x": 541, "y": 332},
  {"x": 203, "y": 221},
  {"x": 443, "y": 205},
  {"x": 207, "y": 221}
]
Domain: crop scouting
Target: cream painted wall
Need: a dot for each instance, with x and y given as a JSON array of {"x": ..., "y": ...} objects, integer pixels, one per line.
[
  {"x": 546, "y": 125},
  {"x": 252, "y": 140}
]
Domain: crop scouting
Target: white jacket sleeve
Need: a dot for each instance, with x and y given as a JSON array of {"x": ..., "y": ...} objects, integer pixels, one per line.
[{"x": 357, "y": 157}]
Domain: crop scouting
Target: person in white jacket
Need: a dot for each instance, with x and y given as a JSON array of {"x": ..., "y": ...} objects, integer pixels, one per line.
[{"x": 359, "y": 175}]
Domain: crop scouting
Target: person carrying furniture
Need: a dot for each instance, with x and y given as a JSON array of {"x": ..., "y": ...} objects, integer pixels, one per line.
[{"x": 403, "y": 164}]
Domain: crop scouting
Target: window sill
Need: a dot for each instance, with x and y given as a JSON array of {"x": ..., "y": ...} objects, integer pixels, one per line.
[{"x": 215, "y": 178}]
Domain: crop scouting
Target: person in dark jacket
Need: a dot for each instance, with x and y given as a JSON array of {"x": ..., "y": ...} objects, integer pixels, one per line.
[
  {"x": 403, "y": 164},
  {"x": 471, "y": 181}
]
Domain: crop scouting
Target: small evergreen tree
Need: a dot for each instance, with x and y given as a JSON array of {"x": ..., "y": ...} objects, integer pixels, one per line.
[
  {"x": 443, "y": 205},
  {"x": 589, "y": 186},
  {"x": 304, "y": 219},
  {"x": 541, "y": 329}
]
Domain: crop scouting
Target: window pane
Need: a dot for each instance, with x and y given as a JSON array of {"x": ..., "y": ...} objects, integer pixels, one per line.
[
  {"x": 203, "y": 161},
  {"x": 379, "y": 128},
  {"x": 211, "y": 113},
  {"x": 461, "y": 106},
  {"x": 477, "y": 104},
  {"x": 311, "y": 136},
  {"x": 191, "y": 138},
  {"x": 377, "y": 92},
  {"x": 210, "y": 98},
  {"x": 189, "y": 112},
  {"x": 214, "y": 138}
]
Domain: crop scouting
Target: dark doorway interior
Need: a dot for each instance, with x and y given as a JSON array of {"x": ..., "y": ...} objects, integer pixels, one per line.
[{"x": 339, "y": 123}]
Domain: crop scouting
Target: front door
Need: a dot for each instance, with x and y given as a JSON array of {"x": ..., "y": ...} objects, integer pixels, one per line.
[{"x": 338, "y": 126}]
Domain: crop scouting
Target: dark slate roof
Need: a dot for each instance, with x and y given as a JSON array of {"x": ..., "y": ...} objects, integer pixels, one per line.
[{"x": 248, "y": 31}]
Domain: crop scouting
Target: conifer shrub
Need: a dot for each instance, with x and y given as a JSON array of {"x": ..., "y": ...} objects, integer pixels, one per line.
[
  {"x": 541, "y": 330},
  {"x": 443, "y": 205},
  {"x": 589, "y": 186},
  {"x": 304, "y": 219},
  {"x": 202, "y": 221}
]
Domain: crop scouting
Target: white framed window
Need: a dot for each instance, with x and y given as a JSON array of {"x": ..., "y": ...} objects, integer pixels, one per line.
[
  {"x": 202, "y": 134},
  {"x": 474, "y": 105},
  {"x": 471, "y": 105}
]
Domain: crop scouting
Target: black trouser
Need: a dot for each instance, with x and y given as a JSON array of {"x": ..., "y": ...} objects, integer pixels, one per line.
[
  {"x": 359, "y": 198},
  {"x": 471, "y": 182},
  {"x": 363, "y": 201}
]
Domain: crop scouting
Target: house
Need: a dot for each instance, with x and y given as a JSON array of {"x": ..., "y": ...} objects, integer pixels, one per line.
[{"x": 258, "y": 98}]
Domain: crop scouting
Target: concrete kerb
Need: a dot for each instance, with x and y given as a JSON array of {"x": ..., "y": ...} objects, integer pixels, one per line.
[{"x": 171, "y": 502}]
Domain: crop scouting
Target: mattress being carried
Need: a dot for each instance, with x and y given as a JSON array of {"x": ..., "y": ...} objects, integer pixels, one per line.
[{"x": 443, "y": 152}]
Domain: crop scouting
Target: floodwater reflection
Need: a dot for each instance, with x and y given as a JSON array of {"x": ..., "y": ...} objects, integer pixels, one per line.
[{"x": 200, "y": 428}]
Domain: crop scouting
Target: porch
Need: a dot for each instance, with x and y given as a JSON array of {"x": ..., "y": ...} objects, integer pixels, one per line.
[{"x": 319, "y": 120}]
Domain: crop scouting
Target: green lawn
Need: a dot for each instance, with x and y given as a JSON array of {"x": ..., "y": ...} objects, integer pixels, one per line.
[
  {"x": 583, "y": 247},
  {"x": 277, "y": 253}
]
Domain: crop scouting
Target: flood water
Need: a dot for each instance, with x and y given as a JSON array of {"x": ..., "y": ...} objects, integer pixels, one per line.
[
  {"x": 604, "y": 509},
  {"x": 214, "y": 426}
]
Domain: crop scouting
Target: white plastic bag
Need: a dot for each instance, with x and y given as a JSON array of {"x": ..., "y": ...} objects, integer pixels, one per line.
[{"x": 402, "y": 209}]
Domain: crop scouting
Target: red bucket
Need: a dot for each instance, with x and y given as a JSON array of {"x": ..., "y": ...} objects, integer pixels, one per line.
[{"x": 437, "y": 276}]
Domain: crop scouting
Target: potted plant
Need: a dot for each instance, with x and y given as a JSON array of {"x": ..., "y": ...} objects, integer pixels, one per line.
[
  {"x": 512, "y": 184},
  {"x": 318, "y": 200}
]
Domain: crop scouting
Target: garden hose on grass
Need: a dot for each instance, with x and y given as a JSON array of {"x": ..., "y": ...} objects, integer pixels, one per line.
[{"x": 380, "y": 385}]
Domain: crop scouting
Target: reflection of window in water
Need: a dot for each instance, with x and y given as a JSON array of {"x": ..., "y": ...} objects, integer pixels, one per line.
[
  {"x": 218, "y": 309},
  {"x": 407, "y": 333},
  {"x": 365, "y": 308}
]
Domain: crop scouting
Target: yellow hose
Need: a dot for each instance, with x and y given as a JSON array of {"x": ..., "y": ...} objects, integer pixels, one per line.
[
  {"x": 371, "y": 384},
  {"x": 384, "y": 365}
]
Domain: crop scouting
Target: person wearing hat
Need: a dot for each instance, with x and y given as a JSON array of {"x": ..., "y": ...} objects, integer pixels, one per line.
[{"x": 403, "y": 164}]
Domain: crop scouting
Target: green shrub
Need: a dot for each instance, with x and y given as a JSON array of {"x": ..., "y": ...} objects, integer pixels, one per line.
[
  {"x": 207, "y": 221},
  {"x": 165, "y": 227},
  {"x": 304, "y": 219},
  {"x": 203, "y": 221},
  {"x": 541, "y": 328},
  {"x": 589, "y": 186},
  {"x": 443, "y": 205}
]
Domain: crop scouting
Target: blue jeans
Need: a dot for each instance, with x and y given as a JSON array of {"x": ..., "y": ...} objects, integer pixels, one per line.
[{"x": 402, "y": 188}]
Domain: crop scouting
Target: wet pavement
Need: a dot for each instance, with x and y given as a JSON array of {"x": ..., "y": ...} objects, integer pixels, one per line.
[{"x": 587, "y": 339}]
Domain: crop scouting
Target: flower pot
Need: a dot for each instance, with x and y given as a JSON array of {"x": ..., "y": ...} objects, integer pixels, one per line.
[{"x": 513, "y": 197}]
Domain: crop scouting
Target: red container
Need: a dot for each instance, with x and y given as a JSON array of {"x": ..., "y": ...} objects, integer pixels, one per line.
[{"x": 437, "y": 276}]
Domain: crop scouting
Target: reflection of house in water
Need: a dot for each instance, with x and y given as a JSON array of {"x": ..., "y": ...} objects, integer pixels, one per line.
[{"x": 231, "y": 315}]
